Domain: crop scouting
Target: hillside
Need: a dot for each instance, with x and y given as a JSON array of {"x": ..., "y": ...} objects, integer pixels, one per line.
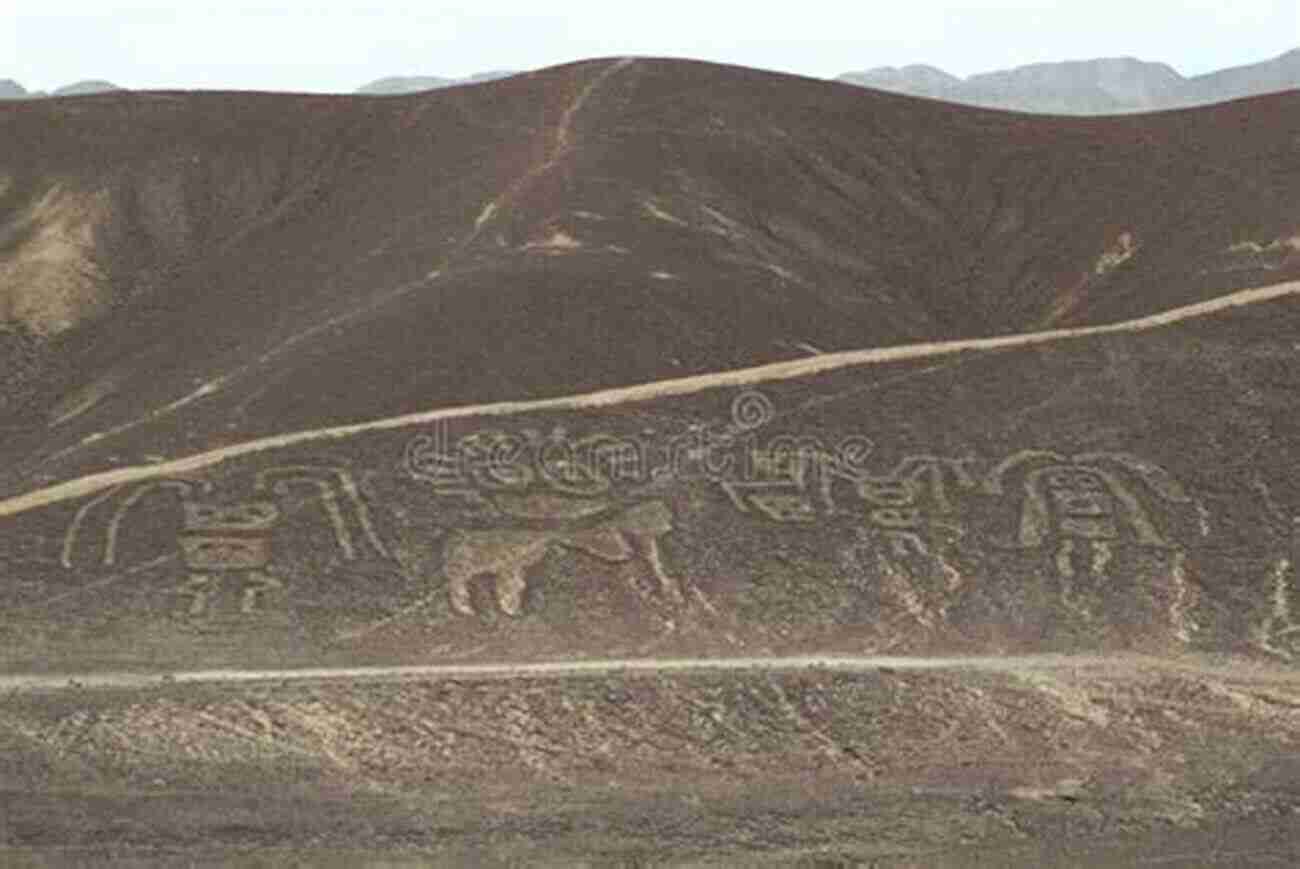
[
  {"x": 935, "y": 525},
  {"x": 647, "y": 463},
  {"x": 1066, "y": 565},
  {"x": 207, "y": 267}
]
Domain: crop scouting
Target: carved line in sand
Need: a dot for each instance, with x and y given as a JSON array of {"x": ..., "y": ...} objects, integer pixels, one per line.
[
  {"x": 1280, "y": 623},
  {"x": 1085, "y": 496},
  {"x": 330, "y": 483},
  {"x": 1077, "y": 504},
  {"x": 907, "y": 515},
  {"x": 1084, "y": 508},
  {"x": 1081, "y": 502},
  {"x": 1079, "y": 510},
  {"x": 612, "y": 532},
  {"x": 94, "y": 483},
  {"x": 221, "y": 538}
]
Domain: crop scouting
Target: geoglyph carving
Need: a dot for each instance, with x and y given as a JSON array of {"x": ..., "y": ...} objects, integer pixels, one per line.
[
  {"x": 333, "y": 485},
  {"x": 1279, "y": 634},
  {"x": 905, "y": 513},
  {"x": 222, "y": 540},
  {"x": 800, "y": 488},
  {"x": 1085, "y": 505},
  {"x": 900, "y": 503},
  {"x": 908, "y": 524},
  {"x": 612, "y": 532},
  {"x": 1082, "y": 509}
]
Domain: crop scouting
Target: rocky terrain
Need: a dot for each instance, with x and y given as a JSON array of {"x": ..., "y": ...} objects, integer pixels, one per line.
[
  {"x": 1101, "y": 86},
  {"x": 753, "y": 471},
  {"x": 1097, "y": 767},
  {"x": 246, "y": 257}
]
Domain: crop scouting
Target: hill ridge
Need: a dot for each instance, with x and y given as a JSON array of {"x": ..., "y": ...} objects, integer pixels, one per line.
[{"x": 228, "y": 266}]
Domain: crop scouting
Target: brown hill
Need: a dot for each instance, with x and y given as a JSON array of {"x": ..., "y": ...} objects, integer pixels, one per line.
[
  {"x": 1122, "y": 490},
  {"x": 213, "y": 266},
  {"x": 1057, "y": 568},
  {"x": 1125, "y": 499}
]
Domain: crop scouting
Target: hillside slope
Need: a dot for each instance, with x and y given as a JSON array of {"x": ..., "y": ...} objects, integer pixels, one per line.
[
  {"x": 1104, "y": 492},
  {"x": 202, "y": 268},
  {"x": 1063, "y": 561}
]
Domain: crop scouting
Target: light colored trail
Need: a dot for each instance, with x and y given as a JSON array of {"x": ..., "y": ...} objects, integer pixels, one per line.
[
  {"x": 93, "y": 483},
  {"x": 1109, "y": 665}
]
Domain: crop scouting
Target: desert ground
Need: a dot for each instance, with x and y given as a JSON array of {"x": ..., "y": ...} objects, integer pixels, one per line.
[{"x": 645, "y": 462}]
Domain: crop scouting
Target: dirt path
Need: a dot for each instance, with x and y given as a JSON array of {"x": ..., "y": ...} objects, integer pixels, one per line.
[
  {"x": 92, "y": 483},
  {"x": 1110, "y": 665}
]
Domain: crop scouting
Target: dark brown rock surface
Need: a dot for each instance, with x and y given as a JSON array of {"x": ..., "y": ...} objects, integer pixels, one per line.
[
  {"x": 1057, "y": 571},
  {"x": 285, "y": 261}
]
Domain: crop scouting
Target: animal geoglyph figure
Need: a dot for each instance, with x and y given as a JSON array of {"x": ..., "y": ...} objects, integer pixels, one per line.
[{"x": 613, "y": 532}]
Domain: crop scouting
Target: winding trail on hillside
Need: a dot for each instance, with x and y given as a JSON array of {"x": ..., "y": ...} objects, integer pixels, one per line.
[
  {"x": 1108, "y": 665},
  {"x": 97, "y": 482}
]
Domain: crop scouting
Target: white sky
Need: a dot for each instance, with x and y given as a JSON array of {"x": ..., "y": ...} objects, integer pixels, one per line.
[{"x": 338, "y": 45}]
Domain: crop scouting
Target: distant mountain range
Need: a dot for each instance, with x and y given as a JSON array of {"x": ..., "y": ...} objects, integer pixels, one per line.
[
  {"x": 1087, "y": 87},
  {"x": 1113, "y": 85},
  {"x": 12, "y": 90},
  {"x": 415, "y": 84}
]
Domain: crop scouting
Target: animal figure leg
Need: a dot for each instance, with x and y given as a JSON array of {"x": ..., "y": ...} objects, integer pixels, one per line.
[
  {"x": 200, "y": 587},
  {"x": 1065, "y": 559},
  {"x": 647, "y": 546},
  {"x": 262, "y": 583},
  {"x": 458, "y": 589},
  {"x": 511, "y": 585},
  {"x": 1102, "y": 555}
]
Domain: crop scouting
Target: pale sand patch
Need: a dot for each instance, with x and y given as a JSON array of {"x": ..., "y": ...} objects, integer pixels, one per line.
[
  {"x": 50, "y": 282},
  {"x": 96, "y": 482},
  {"x": 659, "y": 214},
  {"x": 1116, "y": 256},
  {"x": 485, "y": 215},
  {"x": 559, "y": 240},
  {"x": 1107, "y": 261},
  {"x": 1278, "y": 244}
]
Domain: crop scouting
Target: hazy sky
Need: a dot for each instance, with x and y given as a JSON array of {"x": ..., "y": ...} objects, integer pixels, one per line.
[{"x": 338, "y": 45}]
